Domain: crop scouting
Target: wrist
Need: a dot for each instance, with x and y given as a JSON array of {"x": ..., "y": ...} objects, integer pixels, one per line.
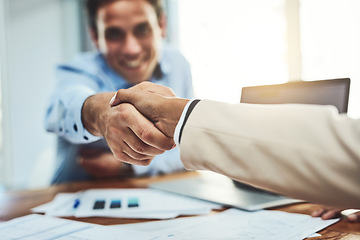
[
  {"x": 175, "y": 109},
  {"x": 94, "y": 111},
  {"x": 183, "y": 119}
]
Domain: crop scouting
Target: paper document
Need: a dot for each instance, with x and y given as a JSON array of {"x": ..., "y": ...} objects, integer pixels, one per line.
[
  {"x": 41, "y": 227},
  {"x": 125, "y": 203},
  {"x": 235, "y": 224},
  {"x": 231, "y": 224},
  {"x": 61, "y": 206}
]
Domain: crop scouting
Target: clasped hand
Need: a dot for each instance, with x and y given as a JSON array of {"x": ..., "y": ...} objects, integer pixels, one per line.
[{"x": 148, "y": 114}]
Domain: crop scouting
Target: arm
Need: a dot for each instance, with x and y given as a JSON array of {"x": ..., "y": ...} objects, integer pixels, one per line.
[
  {"x": 79, "y": 113},
  {"x": 303, "y": 151}
]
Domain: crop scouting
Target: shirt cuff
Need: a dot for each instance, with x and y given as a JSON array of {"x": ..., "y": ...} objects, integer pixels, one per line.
[
  {"x": 82, "y": 131},
  {"x": 184, "y": 116},
  {"x": 73, "y": 129}
]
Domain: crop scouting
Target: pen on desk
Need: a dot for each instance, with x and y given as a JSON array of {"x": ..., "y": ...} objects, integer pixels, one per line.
[{"x": 76, "y": 203}]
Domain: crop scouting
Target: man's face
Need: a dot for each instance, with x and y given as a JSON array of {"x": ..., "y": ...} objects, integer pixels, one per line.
[{"x": 129, "y": 36}]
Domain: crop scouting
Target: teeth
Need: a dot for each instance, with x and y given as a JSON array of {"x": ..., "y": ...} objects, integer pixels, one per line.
[{"x": 133, "y": 64}]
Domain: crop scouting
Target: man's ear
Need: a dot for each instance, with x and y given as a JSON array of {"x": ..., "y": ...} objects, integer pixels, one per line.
[
  {"x": 163, "y": 25},
  {"x": 94, "y": 37}
]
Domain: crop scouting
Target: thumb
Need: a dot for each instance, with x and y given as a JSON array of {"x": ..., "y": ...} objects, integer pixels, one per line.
[
  {"x": 130, "y": 95},
  {"x": 143, "y": 101},
  {"x": 114, "y": 100}
]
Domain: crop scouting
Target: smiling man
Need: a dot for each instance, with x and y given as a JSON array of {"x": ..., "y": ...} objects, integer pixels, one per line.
[{"x": 92, "y": 137}]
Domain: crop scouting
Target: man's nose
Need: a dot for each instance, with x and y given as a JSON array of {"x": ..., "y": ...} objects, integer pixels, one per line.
[{"x": 131, "y": 45}]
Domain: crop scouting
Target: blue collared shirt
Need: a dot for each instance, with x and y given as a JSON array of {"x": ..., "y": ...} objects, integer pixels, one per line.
[{"x": 87, "y": 75}]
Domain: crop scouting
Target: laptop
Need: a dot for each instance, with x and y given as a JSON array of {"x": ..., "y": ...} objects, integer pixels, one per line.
[
  {"x": 324, "y": 92},
  {"x": 220, "y": 189}
]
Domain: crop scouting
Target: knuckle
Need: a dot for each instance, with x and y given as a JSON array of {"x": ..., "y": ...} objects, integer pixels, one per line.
[
  {"x": 120, "y": 156},
  {"x": 146, "y": 135},
  {"x": 170, "y": 145},
  {"x": 141, "y": 148},
  {"x": 120, "y": 93},
  {"x": 170, "y": 91},
  {"x": 123, "y": 112},
  {"x": 136, "y": 156},
  {"x": 167, "y": 144},
  {"x": 146, "y": 162},
  {"x": 139, "y": 156},
  {"x": 144, "y": 84}
]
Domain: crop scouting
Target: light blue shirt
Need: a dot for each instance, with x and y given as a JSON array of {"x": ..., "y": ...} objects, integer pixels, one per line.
[{"x": 87, "y": 75}]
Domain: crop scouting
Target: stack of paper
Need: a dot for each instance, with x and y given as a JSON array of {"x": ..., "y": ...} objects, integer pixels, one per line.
[
  {"x": 125, "y": 203},
  {"x": 234, "y": 224},
  {"x": 41, "y": 227}
]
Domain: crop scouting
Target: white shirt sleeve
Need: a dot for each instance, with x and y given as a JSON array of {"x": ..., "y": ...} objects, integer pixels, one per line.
[{"x": 181, "y": 123}]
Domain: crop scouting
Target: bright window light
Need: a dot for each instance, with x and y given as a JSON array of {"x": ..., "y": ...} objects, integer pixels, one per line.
[
  {"x": 233, "y": 43},
  {"x": 330, "y": 43}
]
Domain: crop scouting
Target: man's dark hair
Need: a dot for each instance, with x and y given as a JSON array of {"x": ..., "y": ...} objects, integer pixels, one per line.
[{"x": 92, "y": 7}]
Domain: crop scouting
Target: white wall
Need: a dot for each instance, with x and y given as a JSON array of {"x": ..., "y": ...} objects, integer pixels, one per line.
[{"x": 39, "y": 34}]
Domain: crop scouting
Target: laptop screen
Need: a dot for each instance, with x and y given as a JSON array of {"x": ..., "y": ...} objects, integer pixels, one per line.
[{"x": 325, "y": 92}]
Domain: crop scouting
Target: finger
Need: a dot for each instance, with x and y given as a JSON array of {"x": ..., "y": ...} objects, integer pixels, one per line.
[
  {"x": 147, "y": 133},
  {"x": 114, "y": 100},
  {"x": 119, "y": 148},
  {"x": 146, "y": 103},
  {"x": 141, "y": 147},
  {"x": 318, "y": 212},
  {"x": 130, "y": 143},
  {"x": 122, "y": 152},
  {"x": 142, "y": 88},
  {"x": 132, "y": 96},
  {"x": 331, "y": 214},
  {"x": 123, "y": 157},
  {"x": 155, "y": 88},
  {"x": 355, "y": 217}
]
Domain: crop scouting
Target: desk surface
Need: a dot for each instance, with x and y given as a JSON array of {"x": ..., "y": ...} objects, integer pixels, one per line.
[{"x": 19, "y": 203}]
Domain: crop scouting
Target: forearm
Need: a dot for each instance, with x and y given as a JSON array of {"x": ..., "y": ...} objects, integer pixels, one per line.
[
  {"x": 63, "y": 115},
  {"x": 293, "y": 150}
]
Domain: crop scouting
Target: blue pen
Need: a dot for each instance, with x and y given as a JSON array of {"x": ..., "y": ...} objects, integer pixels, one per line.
[{"x": 76, "y": 203}]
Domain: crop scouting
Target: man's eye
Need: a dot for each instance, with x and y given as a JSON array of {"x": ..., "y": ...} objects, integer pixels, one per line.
[
  {"x": 113, "y": 34},
  {"x": 142, "y": 30}
]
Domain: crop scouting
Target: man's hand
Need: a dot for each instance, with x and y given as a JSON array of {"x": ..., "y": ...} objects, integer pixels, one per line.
[
  {"x": 153, "y": 102},
  {"x": 131, "y": 137},
  {"x": 102, "y": 164},
  {"x": 329, "y": 213}
]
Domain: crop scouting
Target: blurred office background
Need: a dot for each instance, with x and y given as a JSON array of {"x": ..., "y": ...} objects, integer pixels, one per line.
[{"x": 229, "y": 44}]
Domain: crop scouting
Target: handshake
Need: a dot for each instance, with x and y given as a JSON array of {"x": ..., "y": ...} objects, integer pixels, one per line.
[
  {"x": 140, "y": 122},
  {"x": 234, "y": 140}
]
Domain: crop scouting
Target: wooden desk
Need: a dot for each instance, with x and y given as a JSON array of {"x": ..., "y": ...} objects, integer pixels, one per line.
[{"x": 17, "y": 204}]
